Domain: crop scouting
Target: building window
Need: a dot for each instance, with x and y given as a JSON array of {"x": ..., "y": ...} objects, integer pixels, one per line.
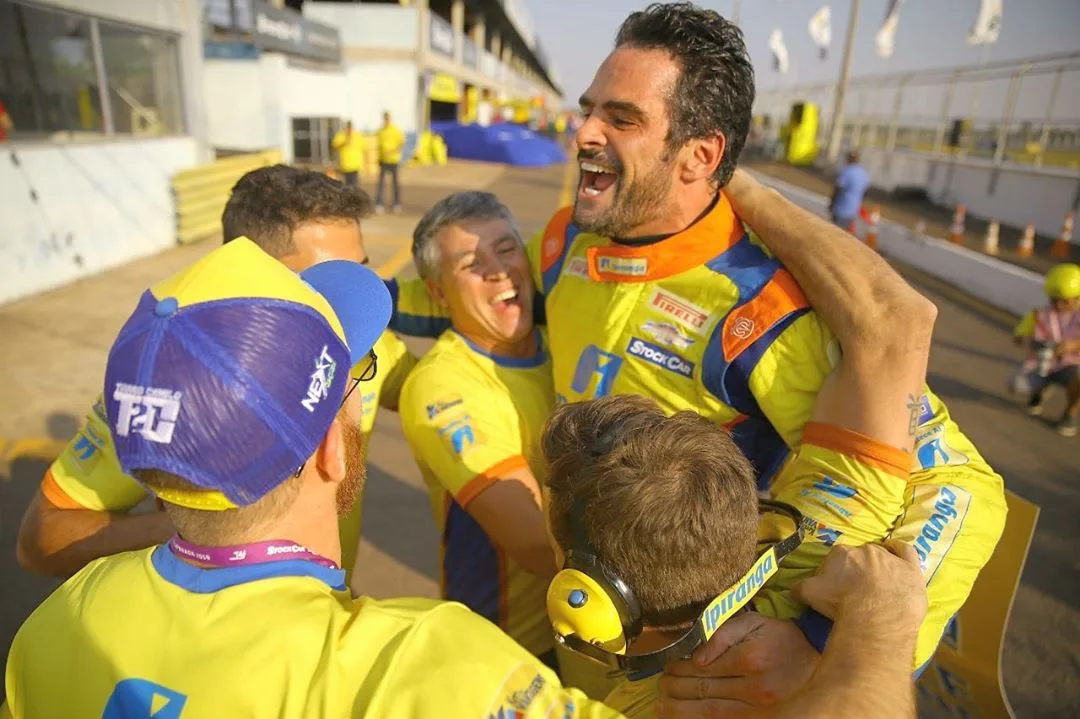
[
  {"x": 49, "y": 78},
  {"x": 48, "y": 81},
  {"x": 144, "y": 80}
]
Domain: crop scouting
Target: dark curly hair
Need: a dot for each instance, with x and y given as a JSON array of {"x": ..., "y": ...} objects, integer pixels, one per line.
[
  {"x": 268, "y": 204},
  {"x": 715, "y": 90}
]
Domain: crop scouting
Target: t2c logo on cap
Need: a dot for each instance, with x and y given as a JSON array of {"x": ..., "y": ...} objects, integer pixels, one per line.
[{"x": 147, "y": 411}]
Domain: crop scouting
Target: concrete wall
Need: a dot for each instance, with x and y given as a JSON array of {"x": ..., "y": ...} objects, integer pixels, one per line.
[
  {"x": 369, "y": 26},
  {"x": 236, "y": 106},
  {"x": 70, "y": 211},
  {"x": 1006, "y": 286},
  {"x": 251, "y": 103},
  {"x": 378, "y": 85},
  {"x": 1018, "y": 195}
]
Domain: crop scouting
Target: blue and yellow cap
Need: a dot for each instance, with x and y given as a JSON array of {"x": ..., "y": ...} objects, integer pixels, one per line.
[{"x": 230, "y": 373}]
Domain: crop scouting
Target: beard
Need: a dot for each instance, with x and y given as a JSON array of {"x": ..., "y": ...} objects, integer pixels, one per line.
[
  {"x": 632, "y": 205},
  {"x": 352, "y": 487}
]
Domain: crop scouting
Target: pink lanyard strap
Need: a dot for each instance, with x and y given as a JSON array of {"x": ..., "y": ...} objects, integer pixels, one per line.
[{"x": 275, "y": 550}]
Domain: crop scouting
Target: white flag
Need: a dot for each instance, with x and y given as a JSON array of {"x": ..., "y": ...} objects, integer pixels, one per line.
[
  {"x": 779, "y": 49},
  {"x": 821, "y": 30},
  {"x": 886, "y": 34},
  {"x": 987, "y": 24}
]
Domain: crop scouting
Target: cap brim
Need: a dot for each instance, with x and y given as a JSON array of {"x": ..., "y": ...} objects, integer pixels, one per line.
[{"x": 358, "y": 297}]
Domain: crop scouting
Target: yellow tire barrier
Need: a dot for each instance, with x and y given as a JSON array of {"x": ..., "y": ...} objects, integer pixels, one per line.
[{"x": 200, "y": 193}]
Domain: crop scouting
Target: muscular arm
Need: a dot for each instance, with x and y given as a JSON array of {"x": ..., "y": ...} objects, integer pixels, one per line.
[
  {"x": 510, "y": 512},
  {"x": 58, "y": 541},
  {"x": 883, "y": 326}
]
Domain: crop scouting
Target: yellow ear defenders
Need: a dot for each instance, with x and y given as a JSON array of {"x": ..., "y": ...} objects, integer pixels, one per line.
[{"x": 595, "y": 613}]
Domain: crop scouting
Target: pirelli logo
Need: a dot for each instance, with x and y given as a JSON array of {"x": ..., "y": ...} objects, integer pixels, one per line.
[{"x": 685, "y": 313}]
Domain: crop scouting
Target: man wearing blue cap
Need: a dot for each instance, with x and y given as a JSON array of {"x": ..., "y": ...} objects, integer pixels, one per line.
[{"x": 228, "y": 394}]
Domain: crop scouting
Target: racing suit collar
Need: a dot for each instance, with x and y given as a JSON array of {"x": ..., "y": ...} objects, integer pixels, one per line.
[
  {"x": 653, "y": 239},
  {"x": 714, "y": 233}
]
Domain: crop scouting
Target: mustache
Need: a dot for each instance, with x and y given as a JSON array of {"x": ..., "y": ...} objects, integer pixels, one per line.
[{"x": 599, "y": 158}]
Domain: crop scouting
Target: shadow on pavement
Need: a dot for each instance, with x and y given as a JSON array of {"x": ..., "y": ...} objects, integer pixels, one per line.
[
  {"x": 397, "y": 520},
  {"x": 1012, "y": 363},
  {"x": 948, "y": 389},
  {"x": 20, "y": 591}
]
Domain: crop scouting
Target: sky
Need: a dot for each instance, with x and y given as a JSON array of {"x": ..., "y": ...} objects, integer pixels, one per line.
[{"x": 577, "y": 35}]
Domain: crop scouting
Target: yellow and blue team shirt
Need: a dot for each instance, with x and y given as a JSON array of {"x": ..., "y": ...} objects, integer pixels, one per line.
[
  {"x": 87, "y": 473},
  {"x": 850, "y": 489},
  {"x": 281, "y": 639},
  {"x": 470, "y": 417},
  {"x": 706, "y": 320}
]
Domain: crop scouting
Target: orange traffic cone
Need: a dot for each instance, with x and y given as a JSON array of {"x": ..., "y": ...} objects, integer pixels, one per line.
[
  {"x": 1026, "y": 248},
  {"x": 956, "y": 234},
  {"x": 1060, "y": 248},
  {"x": 872, "y": 227},
  {"x": 990, "y": 242}
]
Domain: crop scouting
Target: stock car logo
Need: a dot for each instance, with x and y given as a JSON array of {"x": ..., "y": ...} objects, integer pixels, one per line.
[
  {"x": 660, "y": 357},
  {"x": 666, "y": 333}
]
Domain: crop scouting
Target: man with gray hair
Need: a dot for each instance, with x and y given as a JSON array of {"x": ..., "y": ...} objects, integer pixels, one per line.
[{"x": 472, "y": 411}]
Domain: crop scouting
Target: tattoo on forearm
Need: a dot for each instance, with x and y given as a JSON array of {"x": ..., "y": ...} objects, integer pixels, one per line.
[{"x": 915, "y": 409}]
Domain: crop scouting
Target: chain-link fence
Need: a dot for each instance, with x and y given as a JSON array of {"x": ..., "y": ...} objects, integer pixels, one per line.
[{"x": 1025, "y": 111}]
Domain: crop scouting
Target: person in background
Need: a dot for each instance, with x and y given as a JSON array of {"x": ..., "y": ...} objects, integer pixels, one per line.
[
  {"x": 391, "y": 141},
  {"x": 848, "y": 191},
  {"x": 350, "y": 148},
  {"x": 6, "y": 125},
  {"x": 1053, "y": 333}
]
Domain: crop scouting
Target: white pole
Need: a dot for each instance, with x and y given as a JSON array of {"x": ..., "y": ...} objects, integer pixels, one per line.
[
  {"x": 978, "y": 91},
  {"x": 836, "y": 134}
]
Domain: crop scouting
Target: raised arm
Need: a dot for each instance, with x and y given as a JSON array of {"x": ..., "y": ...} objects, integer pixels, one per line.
[{"x": 882, "y": 325}]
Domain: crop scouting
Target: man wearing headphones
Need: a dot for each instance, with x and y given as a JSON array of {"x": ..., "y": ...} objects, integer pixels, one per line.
[{"x": 657, "y": 516}]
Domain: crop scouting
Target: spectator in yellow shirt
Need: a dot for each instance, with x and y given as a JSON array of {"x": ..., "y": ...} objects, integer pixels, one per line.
[
  {"x": 350, "y": 149},
  {"x": 391, "y": 142}
]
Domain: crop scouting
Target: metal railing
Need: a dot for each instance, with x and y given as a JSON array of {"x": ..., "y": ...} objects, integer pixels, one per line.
[{"x": 1024, "y": 111}]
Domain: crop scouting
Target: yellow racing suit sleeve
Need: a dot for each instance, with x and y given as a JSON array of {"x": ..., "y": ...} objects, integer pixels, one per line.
[
  {"x": 954, "y": 503},
  {"x": 416, "y": 313},
  {"x": 1026, "y": 327},
  {"x": 954, "y": 514},
  {"x": 396, "y": 361},
  {"x": 87, "y": 474},
  {"x": 849, "y": 489}
]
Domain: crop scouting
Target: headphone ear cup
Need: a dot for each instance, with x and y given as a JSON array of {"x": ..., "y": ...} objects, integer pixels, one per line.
[{"x": 578, "y": 604}]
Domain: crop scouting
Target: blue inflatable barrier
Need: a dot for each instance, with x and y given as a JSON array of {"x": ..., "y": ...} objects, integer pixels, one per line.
[{"x": 503, "y": 142}]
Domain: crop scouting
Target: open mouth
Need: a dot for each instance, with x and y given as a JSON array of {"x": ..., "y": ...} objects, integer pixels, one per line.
[
  {"x": 506, "y": 300},
  {"x": 596, "y": 178}
]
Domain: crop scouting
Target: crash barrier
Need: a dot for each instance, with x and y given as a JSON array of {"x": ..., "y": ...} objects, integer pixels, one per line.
[
  {"x": 200, "y": 192},
  {"x": 1008, "y": 287}
]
